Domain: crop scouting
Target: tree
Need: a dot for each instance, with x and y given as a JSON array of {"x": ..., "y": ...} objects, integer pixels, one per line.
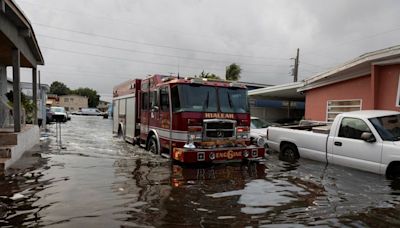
[
  {"x": 208, "y": 75},
  {"x": 59, "y": 88},
  {"x": 91, "y": 94},
  {"x": 233, "y": 72}
]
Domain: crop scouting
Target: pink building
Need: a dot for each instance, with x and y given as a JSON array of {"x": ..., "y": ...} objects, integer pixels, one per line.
[{"x": 370, "y": 81}]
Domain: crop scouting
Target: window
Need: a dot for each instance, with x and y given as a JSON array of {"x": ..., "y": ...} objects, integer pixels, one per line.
[
  {"x": 66, "y": 99},
  {"x": 145, "y": 101},
  {"x": 388, "y": 127},
  {"x": 175, "y": 99},
  {"x": 232, "y": 100},
  {"x": 352, "y": 128},
  {"x": 164, "y": 99},
  {"x": 66, "y": 108},
  {"x": 335, "y": 107},
  {"x": 71, "y": 99},
  {"x": 153, "y": 99}
]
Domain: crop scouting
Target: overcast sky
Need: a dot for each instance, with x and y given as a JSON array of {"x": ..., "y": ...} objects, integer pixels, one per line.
[{"x": 100, "y": 43}]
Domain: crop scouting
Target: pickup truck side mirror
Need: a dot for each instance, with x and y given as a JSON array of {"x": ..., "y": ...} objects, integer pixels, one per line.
[{"x": 368, "y": 137}]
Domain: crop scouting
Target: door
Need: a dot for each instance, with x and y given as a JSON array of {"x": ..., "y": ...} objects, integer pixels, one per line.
[{"x": 350, "y": 150}]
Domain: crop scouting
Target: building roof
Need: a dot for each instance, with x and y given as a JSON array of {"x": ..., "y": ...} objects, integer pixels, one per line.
[
  {"x": 280, "y": 92},
  {"x": 255, "y": 84},
  {"x": 16, "y": 16},
  {"x": 358, "y": 67}
]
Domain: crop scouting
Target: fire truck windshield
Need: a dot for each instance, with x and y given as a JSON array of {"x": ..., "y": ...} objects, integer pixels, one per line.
[{"x": 199, "y": 98}]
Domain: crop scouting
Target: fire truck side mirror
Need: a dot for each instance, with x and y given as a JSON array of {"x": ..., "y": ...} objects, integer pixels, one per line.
[{"x": 155, "y": 109}]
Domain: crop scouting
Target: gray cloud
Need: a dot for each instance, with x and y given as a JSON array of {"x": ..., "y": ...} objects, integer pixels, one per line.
[{"x": 259, "y": 35}]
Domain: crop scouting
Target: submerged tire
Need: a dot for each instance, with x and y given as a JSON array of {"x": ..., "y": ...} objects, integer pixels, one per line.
[
  {"x": 393, "y": 170},
  {"x": 289, "y": 153},
  {"x": 152, "y": 145}
]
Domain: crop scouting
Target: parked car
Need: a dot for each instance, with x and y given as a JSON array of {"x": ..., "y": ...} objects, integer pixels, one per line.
[
  {"x": 93, "y": 112},
  {"x": 258, "y": 131},
  {"x": 364, "y": 140},
  {"x": 59, "y": 114}
]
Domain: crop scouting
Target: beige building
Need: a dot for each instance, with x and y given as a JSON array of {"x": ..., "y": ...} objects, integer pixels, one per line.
[{"x": 73, "y": 103}]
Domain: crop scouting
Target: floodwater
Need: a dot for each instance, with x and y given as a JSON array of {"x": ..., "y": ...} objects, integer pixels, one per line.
[{"x": 100, "y": 181}]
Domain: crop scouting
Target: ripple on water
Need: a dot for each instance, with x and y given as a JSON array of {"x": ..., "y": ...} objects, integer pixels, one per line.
[{"x": 259, "y": 196}]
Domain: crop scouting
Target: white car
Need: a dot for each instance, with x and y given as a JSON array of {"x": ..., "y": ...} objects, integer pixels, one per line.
[
  {"x": 59, "y": 114},
  {"x": 258, "y": 131},
  {"x": 93, "y": 112}
]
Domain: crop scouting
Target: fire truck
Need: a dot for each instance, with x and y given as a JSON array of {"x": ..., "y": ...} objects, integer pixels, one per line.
[{"x": 189, "y": 120}]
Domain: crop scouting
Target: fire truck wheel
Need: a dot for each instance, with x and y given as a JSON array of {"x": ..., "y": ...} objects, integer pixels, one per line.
[{"x": 152, "y": 145}]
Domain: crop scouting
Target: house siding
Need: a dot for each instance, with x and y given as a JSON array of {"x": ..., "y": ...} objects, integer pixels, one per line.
[
  {"x": 377, "y": 91},
  {"x": 316, "y": 99},
  {"x": 76, "y": 104},
  {"x": 387, "y": 87}
]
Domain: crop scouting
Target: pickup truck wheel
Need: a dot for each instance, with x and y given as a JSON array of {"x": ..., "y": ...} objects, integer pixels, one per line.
[
  {"x": 393, "y": 171},
  {"x": 289, "y": 153},
  {"x": 152, "y": 145}
]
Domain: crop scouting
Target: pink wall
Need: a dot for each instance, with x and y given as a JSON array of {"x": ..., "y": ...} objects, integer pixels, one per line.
[
  {"x": 385, "y": 86},
  {"x": 316, "y": 99},
  {"x": 388, "y": 80}
]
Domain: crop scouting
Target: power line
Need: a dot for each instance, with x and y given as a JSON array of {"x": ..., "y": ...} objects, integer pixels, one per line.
[
  {"x": 157, "y": 28},
  {"x": 138, "y": 61},
  {"x": 151, "y": 53},
  {"x": 157, "y": 45},
  {"x": 146, "y": 26}
]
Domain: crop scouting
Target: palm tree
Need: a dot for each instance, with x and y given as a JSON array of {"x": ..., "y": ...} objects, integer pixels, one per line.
[
  {"x": 233, "y": 72},
  {"x": 208, "y": 75}
]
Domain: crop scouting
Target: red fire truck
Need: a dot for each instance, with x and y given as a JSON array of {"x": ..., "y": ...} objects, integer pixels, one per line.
[{"x": 187, "y": 119}]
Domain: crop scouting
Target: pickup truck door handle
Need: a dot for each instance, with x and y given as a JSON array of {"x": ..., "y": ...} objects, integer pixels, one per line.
[{"x": 338, "y": 143}]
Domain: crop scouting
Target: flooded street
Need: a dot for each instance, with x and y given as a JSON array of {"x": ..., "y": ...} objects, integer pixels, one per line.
[{"x": 101, "y": 181}]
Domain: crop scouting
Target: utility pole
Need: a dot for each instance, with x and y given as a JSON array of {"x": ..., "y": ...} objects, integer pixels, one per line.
[{"x": 296, "y": 67}]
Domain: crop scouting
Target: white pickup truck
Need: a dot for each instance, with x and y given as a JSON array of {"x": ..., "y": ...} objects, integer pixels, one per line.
[{"x": 365, "y": 140}]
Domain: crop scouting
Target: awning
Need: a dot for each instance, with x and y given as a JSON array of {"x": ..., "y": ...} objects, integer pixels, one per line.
[{"x": 286, "y": 92}]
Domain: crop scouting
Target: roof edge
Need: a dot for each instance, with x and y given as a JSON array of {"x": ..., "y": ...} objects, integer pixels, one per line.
[
  {"x": 24, "y": 19},
  {"x": 367, "y": 57}
]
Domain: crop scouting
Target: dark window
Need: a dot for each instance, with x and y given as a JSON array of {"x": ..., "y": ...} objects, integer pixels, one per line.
[
  {"x": 233, "y": 100},
  {"x": 153, "y": 99},
  {"x": 201, "y": 98},
  {"x": 176, "y": 104},
  {"x": 388, "y": 127},
  {"x": 164, "y": 99},
  {"x": 352, "y": 128},
  {"x": 145, "y": 101}
]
